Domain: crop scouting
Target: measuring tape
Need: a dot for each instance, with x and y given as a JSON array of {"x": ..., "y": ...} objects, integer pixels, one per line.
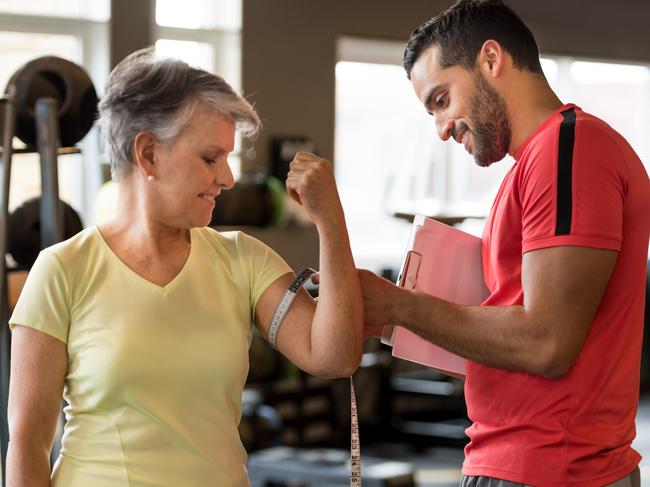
[
  {"x": 355, "y": 445},
  {"x": 278, "y": 317},
  {"x": 285, "y": 303}
]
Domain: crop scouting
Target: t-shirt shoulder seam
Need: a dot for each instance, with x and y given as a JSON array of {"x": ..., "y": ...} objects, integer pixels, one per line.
[{"x": 61, "y": 269}]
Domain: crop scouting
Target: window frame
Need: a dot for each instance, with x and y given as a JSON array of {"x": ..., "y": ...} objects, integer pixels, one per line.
[
  {"x": 94, "y": 44},
  {"x": 226, "y": 61},
  {"x": 445, "y": 175}
]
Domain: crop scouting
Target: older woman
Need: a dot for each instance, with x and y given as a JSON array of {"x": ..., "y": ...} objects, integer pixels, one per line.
[{"x": 143, "y": 324}]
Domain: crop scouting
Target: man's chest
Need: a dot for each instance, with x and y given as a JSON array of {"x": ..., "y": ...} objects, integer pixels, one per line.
[{"x": 502, "y": 240}]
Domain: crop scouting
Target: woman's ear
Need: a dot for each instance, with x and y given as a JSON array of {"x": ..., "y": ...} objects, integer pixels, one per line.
[
  {"x": 491, "y": 59},
  {"x": 144, "y": 146}
]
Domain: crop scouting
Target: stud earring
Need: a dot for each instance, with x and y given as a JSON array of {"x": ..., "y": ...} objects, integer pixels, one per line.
[{"x": 151, "y": 178}]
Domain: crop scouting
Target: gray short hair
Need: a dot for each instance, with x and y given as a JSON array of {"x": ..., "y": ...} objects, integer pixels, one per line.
[{"x": 159, "y": 95}]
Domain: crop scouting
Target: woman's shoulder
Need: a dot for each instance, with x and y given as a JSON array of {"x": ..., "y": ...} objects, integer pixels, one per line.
[
  {"x": 81, "y": 243},
  {"x": 234, "y": 242},
  {"x": 64, "y": 262}
]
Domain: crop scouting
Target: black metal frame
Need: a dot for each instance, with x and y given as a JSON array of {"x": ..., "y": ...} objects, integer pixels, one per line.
[
  {"x": 51, "y": 217},
  {"x": 9, "y": 106}
]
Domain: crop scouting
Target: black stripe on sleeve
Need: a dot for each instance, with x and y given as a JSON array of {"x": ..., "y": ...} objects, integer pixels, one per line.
[{"x": 565, "y": 173}]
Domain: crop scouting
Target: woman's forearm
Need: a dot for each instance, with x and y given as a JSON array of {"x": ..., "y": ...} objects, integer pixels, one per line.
[
  {"x": 27, "y": 465},
  {"x": 337, "y": 327}
]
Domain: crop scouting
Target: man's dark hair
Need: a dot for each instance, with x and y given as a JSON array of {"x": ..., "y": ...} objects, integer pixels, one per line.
[{"x": 461, "y": 30}]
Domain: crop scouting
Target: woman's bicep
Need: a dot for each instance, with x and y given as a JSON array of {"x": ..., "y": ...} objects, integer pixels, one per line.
[
  {"x": 38, "y": 368},
  {"x": 294, "y": 335}
]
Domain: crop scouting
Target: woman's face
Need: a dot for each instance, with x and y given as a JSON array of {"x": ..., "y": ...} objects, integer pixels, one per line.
[{"x": 192, "y": 170}]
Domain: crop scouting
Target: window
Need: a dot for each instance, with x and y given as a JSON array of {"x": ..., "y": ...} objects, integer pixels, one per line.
[
  {"x": 225, "y": 15},
  {"x": 78, "y": 31},
  {"x": 199, "y": 54},
  {"x": 206, "y": 34},
  {"x": 389, "y": 159},
  {"x": 73, "y": 9},
  {"x": 617, "y": 93},
  {"x": 381, "y": 135}
]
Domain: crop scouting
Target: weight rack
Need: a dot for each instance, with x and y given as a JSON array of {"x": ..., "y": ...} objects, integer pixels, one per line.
[{"x": 51, "y": 217}]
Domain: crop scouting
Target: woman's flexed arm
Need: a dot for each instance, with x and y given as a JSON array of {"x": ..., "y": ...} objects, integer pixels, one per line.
[{"x": 323, "y": 338}]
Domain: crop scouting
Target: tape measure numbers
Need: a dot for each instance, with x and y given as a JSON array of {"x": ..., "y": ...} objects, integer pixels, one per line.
[
  {"x": 355, "y": 445},
  {"x": 278, "y": 317}
]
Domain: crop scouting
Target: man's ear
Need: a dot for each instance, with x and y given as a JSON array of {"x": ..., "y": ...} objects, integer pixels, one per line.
[
  {"x": 491, "y": 59},
  {"x": 144, "y": 146}
]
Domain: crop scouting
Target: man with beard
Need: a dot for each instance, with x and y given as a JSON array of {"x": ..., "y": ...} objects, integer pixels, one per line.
[{"x": 554, "y": 351}]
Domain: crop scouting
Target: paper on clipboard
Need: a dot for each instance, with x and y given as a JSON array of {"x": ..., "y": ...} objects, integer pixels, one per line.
[{"x": 445, "y": 262}]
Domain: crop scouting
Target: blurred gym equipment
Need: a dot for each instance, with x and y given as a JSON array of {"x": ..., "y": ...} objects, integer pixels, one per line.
[
  {"x": 50, "y": 104},
  {"x": 66, "y": 83},
  {"x": 254, "y": 200},
  {"x": 285, "y": 467},
  {"x": 25, "y": 230}
]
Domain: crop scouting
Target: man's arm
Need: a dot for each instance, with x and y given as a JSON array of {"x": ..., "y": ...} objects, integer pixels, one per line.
[{"x": 562, "y": 286}]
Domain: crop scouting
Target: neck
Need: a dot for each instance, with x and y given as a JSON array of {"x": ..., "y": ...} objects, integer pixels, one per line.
[
  {"x": 530, "y": 102},
  {"x": 135, "y": 223}
]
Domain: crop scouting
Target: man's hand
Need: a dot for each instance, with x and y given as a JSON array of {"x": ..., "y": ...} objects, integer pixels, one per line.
[
  {"x": 562, "y": 289},
  {"x": 368, "y": 331},
  {"x": 380, "y": 299}
]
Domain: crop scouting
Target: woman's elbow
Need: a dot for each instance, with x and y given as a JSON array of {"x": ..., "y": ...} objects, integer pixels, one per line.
[
  {"x": 348, "y": 369},
  {"x": 344, "y": 365}
]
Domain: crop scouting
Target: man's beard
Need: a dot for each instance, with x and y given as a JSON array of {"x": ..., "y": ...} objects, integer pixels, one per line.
[{"x": 490, "y": 123}]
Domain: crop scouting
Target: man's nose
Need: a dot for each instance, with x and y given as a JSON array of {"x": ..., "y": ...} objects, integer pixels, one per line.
[{"x": 445, "y": 128}]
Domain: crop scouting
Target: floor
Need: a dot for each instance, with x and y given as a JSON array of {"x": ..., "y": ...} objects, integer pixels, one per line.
[
  {"x": 642, "y": 442},
  {"x": 433, "y": 467}
]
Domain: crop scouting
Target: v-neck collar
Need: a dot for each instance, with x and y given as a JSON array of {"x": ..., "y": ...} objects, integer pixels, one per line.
[{"x": 140, "y": 278}]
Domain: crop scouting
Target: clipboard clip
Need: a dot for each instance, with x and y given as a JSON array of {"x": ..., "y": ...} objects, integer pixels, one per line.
[
  {"x": 407, "y": 279},
  {"x": 409, "y": 276}
]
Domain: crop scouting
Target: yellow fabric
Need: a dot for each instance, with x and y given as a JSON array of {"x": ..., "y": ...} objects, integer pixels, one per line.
[{"x": 155, "y": 374}]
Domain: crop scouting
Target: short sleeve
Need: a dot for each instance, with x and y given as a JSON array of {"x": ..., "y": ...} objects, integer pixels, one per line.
[
  {"x": 261, "y": 264},
  {"x": 44, "y": 303},
  {"x": 572, "y": 189}
]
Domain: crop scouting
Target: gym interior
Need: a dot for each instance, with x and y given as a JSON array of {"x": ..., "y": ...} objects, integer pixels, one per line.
[{"x": 325, "y": 76}]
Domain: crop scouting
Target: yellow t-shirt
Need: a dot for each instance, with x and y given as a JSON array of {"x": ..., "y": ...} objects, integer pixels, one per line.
[{"x": 155, "y": 374}]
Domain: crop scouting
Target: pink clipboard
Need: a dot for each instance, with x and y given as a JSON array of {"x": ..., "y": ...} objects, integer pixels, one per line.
[{"x": 445, "y": 262}]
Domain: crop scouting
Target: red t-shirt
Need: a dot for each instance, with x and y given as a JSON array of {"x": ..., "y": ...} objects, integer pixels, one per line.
[{"x": 575, "y": 182}]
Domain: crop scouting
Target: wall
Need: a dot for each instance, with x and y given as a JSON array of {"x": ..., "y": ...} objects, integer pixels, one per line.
[
  {"x": 289, "y": 49},
  {"x": 132, "y": 27}
]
